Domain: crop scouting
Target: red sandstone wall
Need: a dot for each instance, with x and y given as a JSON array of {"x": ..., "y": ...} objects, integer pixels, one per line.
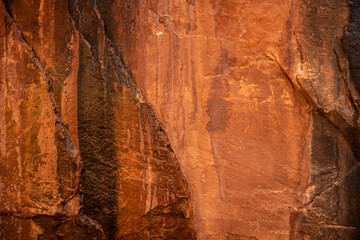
[
  {"x": 226, "y": 120},
  {"x": 240, "y": 130}
]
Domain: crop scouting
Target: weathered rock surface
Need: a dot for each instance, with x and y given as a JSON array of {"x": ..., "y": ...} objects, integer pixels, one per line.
[
  {"x": 83, "y": 155},
  {"x": 156, "y": 119}
]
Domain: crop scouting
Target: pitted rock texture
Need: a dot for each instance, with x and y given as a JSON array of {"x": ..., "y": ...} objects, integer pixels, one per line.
[{"x": 182, "y": 119}]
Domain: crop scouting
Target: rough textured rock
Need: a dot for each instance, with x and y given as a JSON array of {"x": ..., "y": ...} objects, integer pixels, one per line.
[
  {"x": 156, "y": 119},
  {"x": 240, "y": 130},
  {"x": 258, "y": 82},
  {"x": 85, "y": 153}
]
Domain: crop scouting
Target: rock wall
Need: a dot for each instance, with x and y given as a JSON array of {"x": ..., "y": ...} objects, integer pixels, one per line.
[
  {"x": 83, "y": 155},
  {"x": 196, "y": 119},
  {"x": 240, "y": 130}
]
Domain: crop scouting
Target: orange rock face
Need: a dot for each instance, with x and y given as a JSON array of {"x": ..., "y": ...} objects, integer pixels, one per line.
[
  {"x": 235, "y": 84},
  {"x": 156, "y": 119},
  {"x": 83, "y": 155},
  {"x": 240, "y": 130}
]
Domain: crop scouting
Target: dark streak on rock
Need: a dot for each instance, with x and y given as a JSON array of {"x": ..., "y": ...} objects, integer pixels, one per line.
[{"x": 72, "y": 150}]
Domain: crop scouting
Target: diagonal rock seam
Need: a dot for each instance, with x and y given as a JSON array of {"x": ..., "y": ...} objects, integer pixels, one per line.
[
  {"x": 299, "y": 87},
  {"x": 333, "y": 117},
  {"x": 350, "y": 90},
  {"x": 121, "y": 71},
  {"x": 130, "y": 82},
  {"x": 295, "y": 84},
  {"x": 71, "y": 148},
  {"x": 124, "y": 76}
]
